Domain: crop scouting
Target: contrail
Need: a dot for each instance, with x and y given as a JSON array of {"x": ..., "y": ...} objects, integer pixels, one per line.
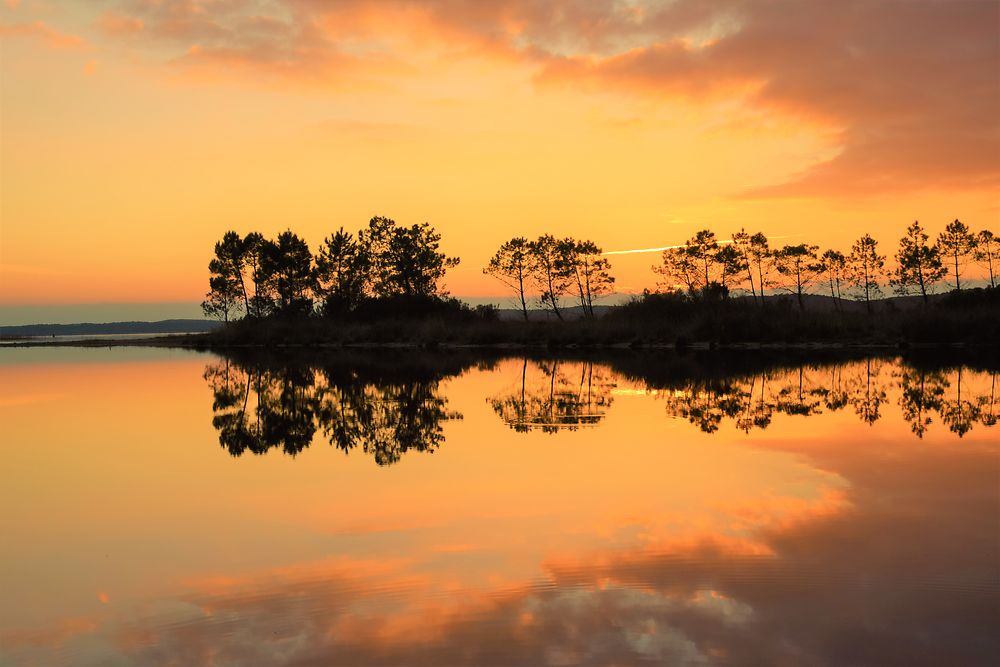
[{"x": 672, "y": 247}]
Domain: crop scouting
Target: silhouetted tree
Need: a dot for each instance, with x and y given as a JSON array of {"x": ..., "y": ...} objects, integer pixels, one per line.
[
  {"x": 254, "y": 244},
  {"x": 801, "y": 265},
  {"x": 703, "y": 247},
  {"x": 222, "y": 299},
  {"x": 419, "y": 265},
  {"x": 591, "y": 272},
  {"x": 731, "y": 266},
  {"x": 342, "y": 268},
  {"x": 697, "y": 264},
  {"x": 741, "y": 244},
  {"x": 552, "y": 272},
  {"x": 404, "y": 260},
  {"x": 956, "y": 243},
  {"x": 918, "y": 264},
  {"x": 834, "y": 265},
  {"x": 760, "y": 260},
  {"x": 987, "y": 252},
  {"x": 226, "y": 269},
  {"x": 513, "y": 266},
  {"x": 865, "y": 268},
  {"x": 286, "y": 267},
  {"x": 678, "y": 268}
]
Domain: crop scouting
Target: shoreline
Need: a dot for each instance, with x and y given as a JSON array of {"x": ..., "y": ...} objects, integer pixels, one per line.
[{"x": 698, "y": 346}]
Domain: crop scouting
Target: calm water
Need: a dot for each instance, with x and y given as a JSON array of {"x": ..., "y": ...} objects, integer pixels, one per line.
[{"x": 174, "y": 508}]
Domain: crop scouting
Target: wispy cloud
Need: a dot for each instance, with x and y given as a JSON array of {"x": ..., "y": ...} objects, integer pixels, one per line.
[
  {"x": 908, "y": 91},
  {"x": 635, "y": 251},
  {"x": 43, "y": 32}
]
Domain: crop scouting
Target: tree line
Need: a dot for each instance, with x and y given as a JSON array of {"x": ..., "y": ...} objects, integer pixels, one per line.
[
  {"x": 709, "y": 268},
  {"x": 554, "y": 268},
  {"x": 260, "y": 277}
]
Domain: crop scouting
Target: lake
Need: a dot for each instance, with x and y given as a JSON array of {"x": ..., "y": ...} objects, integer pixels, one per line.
[{"x": 169, "y": 507}]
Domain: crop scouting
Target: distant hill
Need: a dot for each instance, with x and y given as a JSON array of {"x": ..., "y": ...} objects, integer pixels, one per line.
[
  {"x": 91, "y": 329},
  {"x": 537, "y": 314},
  {"x": 813, "y": 302}
]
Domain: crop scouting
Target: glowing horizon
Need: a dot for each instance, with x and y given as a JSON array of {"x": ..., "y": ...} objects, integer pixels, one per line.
[{"x": 136, "y": 132}]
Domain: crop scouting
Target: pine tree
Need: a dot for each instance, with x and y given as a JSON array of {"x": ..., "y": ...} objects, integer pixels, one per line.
[
  {"x": 956, "y": 243},
  {"x": 918, "y": 264},
  {"x": 865, "y": 267}
]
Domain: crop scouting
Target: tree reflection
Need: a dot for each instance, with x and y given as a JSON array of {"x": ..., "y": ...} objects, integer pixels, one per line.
[
  {"x": 390, "y": 404},
  {"x": 866, "y": 391},
  {"x": 751, "y": 400},
  {"x": 384, "y": 421},
  {"x": 384, "y": 411},
  {"x": 987, "y": 404},
  {"x": 920, "y": 396},
  {"x": 556, "y": 395},
  {"x": 958, "y": 413}
]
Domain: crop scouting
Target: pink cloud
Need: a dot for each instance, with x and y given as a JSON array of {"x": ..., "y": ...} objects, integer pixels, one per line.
[
  {"x": 910, "y": 89},
  {"x": 43, "y": 32}
]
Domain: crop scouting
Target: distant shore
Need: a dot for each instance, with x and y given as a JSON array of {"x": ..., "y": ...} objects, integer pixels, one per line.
[{"x": 970, "y": 318}]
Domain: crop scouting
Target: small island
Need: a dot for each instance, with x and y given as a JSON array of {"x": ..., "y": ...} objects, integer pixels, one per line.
[{"x": 383, "y": 286}]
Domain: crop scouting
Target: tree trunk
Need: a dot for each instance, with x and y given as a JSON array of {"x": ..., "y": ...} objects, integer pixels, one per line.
[
  {"x": 753, "y": 292},
  {"x": 553, "y": 299},
  {"x": 868, "y": 297},
  {"x": 590, "y": 297},
  {"x": 760, "y": 282},
  {"x": 579, "y": 286},
  {"x": 520, "y": 292},
  {"x": 798, "y": 286},
  {"x": 246, "y": 299},
  {"x": 920, "y": 281}
]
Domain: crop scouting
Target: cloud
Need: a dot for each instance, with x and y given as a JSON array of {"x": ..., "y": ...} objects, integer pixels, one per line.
[
  {"x": 908, "y": 90},
  {"x": 900, "y": 570},
  {"x": 115, "y": 24},
  {"x": 41, "y": 31},
  {"x": 269, "y": 42},
  {"x": 910, "y": 87}
]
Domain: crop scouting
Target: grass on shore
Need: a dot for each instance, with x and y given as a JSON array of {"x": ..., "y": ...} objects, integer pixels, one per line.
[{"x": 967, "y": 317}]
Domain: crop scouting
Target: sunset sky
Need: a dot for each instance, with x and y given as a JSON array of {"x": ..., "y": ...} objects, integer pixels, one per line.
[{"x": 134, "y": 133}]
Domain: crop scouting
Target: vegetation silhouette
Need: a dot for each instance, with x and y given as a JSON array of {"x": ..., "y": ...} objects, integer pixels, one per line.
[
  {"x": 557, "y": 395},
  {"x": 752, "y": 392},
  {"x": 385, "y": 284},
  {"x": 384, "y": 406},
  {"x": 388, "y": 404}
]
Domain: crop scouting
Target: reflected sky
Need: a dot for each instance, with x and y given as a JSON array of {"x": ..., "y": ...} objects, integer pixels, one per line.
[{"x": 542, "y": 511}]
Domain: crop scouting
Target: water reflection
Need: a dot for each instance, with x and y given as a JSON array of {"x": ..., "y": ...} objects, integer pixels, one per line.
[
  {"x": 844, "y": 514},
  {"x": 556, "y": 395},
  {"x": 751, "y": 401},
  {"x": 384, "y": 407}
]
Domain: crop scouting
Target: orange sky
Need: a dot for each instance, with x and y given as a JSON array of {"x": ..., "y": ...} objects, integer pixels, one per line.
[{"x": 135, "y": 132}]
